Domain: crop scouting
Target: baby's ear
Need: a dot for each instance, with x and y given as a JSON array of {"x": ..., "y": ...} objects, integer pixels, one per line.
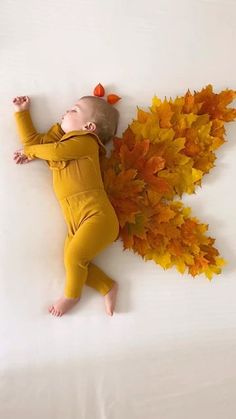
[{"x": 91, "y": 126}]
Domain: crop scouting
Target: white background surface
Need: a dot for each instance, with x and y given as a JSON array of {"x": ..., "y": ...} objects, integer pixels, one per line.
[{"x": 169, "y": 350}]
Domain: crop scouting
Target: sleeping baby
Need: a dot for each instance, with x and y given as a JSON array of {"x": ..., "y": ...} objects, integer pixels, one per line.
[{"x": 71, "y": 149}]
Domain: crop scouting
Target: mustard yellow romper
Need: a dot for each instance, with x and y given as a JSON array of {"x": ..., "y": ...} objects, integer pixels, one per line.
[{"x": 77, "y": 182}]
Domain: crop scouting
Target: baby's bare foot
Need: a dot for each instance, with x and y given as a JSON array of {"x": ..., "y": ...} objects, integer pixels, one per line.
[
  {"x": 110, "y": 299},
  {"x": 62, "y": 305}
]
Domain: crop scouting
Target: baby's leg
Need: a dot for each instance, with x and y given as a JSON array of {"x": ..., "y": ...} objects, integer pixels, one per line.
[
  {"x": 91, "y": 237},
  {"x": 96, "y": 278},
  {"x": 89, "y": 240}
]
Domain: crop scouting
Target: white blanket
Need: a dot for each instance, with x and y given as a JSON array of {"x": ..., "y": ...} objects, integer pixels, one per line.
[{"x": 168, "y": 352}]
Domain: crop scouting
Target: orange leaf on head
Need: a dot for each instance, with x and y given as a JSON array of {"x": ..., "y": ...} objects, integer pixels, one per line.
[
  {"x": 112, "y": 98},
  {"x": 99, "y": 90}
]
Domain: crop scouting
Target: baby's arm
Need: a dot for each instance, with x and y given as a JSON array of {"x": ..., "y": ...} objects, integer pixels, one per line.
[
  {"x": 26, "y": 130},
  {"x": 70, "y": 149}
]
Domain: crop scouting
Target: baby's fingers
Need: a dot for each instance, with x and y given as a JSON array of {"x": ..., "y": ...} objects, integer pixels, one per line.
[
  {"x": 21, "y": 160},
  {"x": 21, "y": 99},
  {"x": 25, "y": 160},
  {"x": 25, "y": 99},
  {"x": 18, "y": 153},
  {"x": 17, "y": 99}
]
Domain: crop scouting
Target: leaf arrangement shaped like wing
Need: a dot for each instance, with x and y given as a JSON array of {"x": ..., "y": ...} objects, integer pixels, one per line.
[{"x": 163, "y": 154}]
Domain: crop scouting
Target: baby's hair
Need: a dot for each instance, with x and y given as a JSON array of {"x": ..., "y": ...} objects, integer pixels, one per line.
[{"x": 106, "y": 118}]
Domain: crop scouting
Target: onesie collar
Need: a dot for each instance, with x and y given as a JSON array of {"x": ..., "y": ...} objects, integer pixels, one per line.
[{"x": 76, "y": 133}]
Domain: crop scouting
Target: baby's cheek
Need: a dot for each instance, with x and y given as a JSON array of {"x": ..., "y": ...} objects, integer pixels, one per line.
[
  {"x": 75, "y": 123},
  {"x": 71, "y": 124}
]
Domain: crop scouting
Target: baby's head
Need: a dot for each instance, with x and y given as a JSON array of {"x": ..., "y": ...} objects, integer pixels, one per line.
[{"x": 93, "y": 114}]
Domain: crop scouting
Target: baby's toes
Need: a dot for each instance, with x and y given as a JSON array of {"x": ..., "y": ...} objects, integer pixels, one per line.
[{"x": 53, "y": 311}]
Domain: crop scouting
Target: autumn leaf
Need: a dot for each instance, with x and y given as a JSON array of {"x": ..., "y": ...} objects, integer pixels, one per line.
[{"x": 99, "y": 90}]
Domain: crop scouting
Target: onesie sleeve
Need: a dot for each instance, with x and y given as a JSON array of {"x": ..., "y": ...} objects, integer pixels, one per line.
[
  {"x": 28, "y": 134},
  {"x": 71, "y": 149}
]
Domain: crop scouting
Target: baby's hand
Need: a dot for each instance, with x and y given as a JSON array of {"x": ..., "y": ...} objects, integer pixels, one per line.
[
  {"x": 21, "y": 103},
  {"x": 21, "y": 158}
]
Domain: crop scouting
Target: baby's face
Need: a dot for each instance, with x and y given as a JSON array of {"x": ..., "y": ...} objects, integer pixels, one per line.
[{"x": 76, "y": 118}]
